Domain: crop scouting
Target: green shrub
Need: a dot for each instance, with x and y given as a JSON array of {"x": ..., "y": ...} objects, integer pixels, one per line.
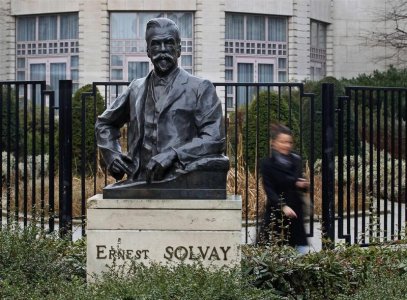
[
  {"x": 8, "y": 122},
  {"x": 263, "y": 111},
  {"x": 377, "y": 176},
  {"x": 381, "y": 287},
  {"x": 34, "y": 129},
  {"x": 90, "y": 111},
  {"x": 321, "y": 275},
  {"x": 34, "y": 265},
  {"x": 179, "y": 282},
  {"x": 29, "y": 133},
  {"x": 392, "y": 77},
  {"x": 376, "y": 102},
  {"x": 315, "y": 87}
]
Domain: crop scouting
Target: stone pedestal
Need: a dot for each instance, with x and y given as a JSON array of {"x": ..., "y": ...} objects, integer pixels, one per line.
[{"x": 163, "y": 231}]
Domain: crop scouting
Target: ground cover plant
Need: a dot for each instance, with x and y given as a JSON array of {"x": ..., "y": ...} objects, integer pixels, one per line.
[
  {"x": 36, "y": 265},
  {"x": 329, "y": 274}
]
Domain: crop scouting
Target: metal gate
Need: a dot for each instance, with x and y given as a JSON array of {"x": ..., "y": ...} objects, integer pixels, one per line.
[
  {"x": 28, "y": 152},
  {"x": 35, "y": 151},
  {"x": 369, "y": 167}
]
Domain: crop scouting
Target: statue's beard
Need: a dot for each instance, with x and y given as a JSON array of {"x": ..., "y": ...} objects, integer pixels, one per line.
[{"x": 164, "y": 63}]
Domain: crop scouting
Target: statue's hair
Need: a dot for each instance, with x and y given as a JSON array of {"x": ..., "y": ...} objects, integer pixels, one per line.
[{"x": 163, "y": 23}]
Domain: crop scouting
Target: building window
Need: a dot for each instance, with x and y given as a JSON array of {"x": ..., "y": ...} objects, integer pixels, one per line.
[
  {"x": 47, "y": 48},
  {"x": 128, "y": 49},
  {"x": 255, "y": 51},
  {"x": 234, "y": 27},
  {"x": 255, "y": 28},
  {"x": 318, "y": 50},
  {"x": 47, "y": 28}
]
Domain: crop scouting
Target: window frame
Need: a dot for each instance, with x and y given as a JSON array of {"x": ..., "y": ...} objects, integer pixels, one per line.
[
  {"x": 255, "y": 52},
  {"x": 318, "y": 46},
  {"x": 46, "y": 50}
]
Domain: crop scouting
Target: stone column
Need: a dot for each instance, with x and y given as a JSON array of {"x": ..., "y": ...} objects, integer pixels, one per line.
[
  {"x": 8, "y": 41},
  {"x": 209, "y": 39},
  {"x": 93, "y": 41},
  {"x": 299, "y": 41},
  {"x": 330, "y": 66}
]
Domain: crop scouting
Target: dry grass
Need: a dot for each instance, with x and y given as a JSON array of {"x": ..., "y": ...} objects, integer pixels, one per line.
[
  {"x": 257, "y": 197},
  {"x": 318, "y": 197},
  {"x": 253, "y": 201},
  {"x": 42, "y": 196}
]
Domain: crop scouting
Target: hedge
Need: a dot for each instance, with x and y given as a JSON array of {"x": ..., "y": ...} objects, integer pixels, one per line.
[{"x": 90, "y": 111}]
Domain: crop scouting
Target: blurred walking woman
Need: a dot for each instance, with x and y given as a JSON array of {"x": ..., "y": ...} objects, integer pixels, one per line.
[{"x": 284, "y": 183}]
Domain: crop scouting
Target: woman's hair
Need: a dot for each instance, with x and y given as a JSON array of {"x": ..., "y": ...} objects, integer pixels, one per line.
[{"x": 277, "y": 129}]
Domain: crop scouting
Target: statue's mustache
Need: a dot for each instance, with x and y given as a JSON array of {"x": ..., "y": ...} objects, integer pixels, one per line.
[{"x": 162, "y": 56}]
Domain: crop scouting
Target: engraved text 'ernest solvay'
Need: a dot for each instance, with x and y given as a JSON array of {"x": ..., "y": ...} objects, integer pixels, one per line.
[{"x": 169, "y": 253}]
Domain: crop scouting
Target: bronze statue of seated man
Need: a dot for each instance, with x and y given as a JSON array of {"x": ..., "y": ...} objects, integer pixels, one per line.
[{"x": 174, "y": 120}]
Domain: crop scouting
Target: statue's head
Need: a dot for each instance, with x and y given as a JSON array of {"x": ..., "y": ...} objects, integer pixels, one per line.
[{"x": 163, "y": 44}]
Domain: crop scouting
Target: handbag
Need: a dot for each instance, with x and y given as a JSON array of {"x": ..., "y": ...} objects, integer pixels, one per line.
[{"x": 307, "y": 206}]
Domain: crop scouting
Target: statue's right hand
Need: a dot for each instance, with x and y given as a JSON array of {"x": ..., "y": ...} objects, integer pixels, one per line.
[{"x": 121, "y": 165}]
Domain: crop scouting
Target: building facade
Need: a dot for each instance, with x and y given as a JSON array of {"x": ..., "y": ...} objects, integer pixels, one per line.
[{"x": 222, "y": 40}]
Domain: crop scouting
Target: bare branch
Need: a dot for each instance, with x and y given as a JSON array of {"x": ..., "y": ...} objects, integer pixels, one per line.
[{"x": 394, "y": 34}]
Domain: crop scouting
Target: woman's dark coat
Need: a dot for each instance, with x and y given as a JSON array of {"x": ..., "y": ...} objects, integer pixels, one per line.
[{"x": 279, "y": 178}]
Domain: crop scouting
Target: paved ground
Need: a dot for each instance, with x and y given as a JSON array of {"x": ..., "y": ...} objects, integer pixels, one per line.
[{"x": 315, "y": 242}]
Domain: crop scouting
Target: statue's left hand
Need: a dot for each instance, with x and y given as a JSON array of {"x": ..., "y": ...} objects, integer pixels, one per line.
[{"x": 159, "y": 164}]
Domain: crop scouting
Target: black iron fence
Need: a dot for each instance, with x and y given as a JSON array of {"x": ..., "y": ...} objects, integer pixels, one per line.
[
  {"x": 250, "y": 109},
  {"x": 353, "y": 149},
  {"x": 27, "y": 126},
  {"x": 371, "y": 165}
]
